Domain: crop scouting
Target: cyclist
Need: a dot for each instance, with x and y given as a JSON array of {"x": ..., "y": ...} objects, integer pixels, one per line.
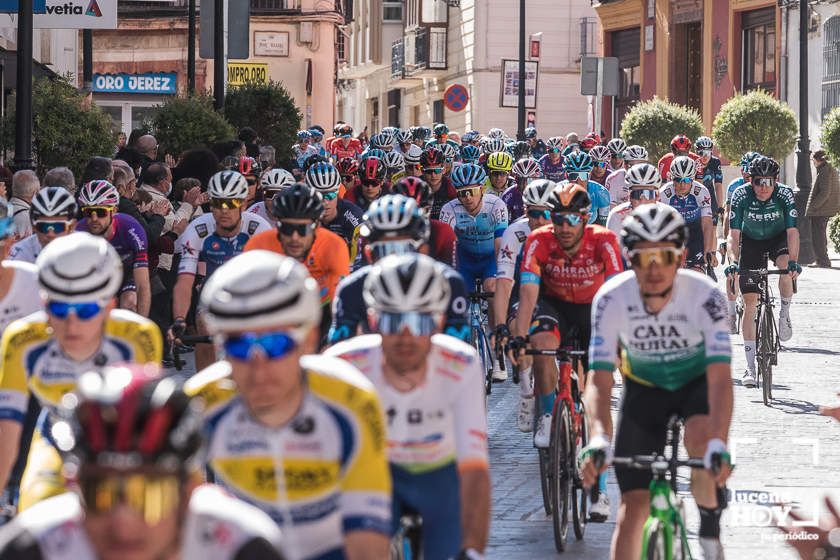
[
  {"x": 250, "y": 169},
  {"x": 600, "y": 161},
  {"x": 98, "y": 201},
  {"x": 412, "y": 161},
  {"x": 79, "y": 276},
  {"x": 317, "y": 135},
  {"x": 617, "y": 147},
  {"x": 394, "y": 167},
  {"x": 644, "y": 182},
  {"x": 421, "y": 134},
  {"x": 404, "y": 141},
  {"x": 272, "y": 182},
  {"x": 432, "y": 390},
  {"x": 381, "y": 141},
  {"x": 616, "y": 183},
  {"x": 693, "y": 202},
  {"x": 303, "y": 149},
  {"x": 371, "y": 183},
  {"x": 348, "y": 167},
  {"x": 479, "y": 219},
  {"x": 345, "y": 145},
  {"x": 538, "y": 147},
  {"x": 394, "y": 224},
  {"x": 710, "y": 173},
  {"x": 441, "y": 237},
  {"x": 470, "y": 153},
  {"x": 441, "y": 134},
  {"x": 521, "y": 150},
  {"x": 578, "y": 167},
  {"x": 53, "y": 214},
  {"x": 432, "y": 161},
  {"x": 670, "y": 325},
  {"x": 523, "y": 171},
  {"x": 18, "y": 280},
  {"x": 340, "y": 216},
  {"x": 680, "y": 146},
  {"x": 537, "y": 214},
  {"x": 763, "y": 220},
  {"x": 297, "y": 211},
  {"x": 303, "y": 436},
  {"x": 139, "y": 494},
  {"x": 499, "y": 165},
  {"x": 563, "y": 266},
  {"x": 208, "y": 242},
  {"x": 552, "y": 161}
]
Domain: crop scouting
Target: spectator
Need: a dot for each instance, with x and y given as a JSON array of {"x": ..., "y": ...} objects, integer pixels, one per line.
[
  {"x": 198, "y": 163},
  {"x": 24, "y": 186},
  {"x": 60, "y": 177},
  {"x": 126, "y": 183},
  {"x": 98, "y": 168},
  {"x": 157, "y": 181},
  {"x": 268, "y": 158},
  {"x": 5, "y": 181},
  {"x": 147, "y": 145},
  {"x": 132, "y": 157},
  {"x": 228, "y": 148},
  {"x": 823, "y": 203},
  {"x": 249, "y": 137}
]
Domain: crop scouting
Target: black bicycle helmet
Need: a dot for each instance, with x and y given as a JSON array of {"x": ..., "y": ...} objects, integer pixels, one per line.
[
  {"x": 763, "y": 166},
  {"x": 297, "y": 202}
]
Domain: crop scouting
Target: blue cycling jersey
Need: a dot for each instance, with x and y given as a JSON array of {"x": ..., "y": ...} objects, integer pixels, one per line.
[
  {"x": 476, "y": 234},
  {"x": 600, "y": 197},
  {"x": 733, "y": 185}
]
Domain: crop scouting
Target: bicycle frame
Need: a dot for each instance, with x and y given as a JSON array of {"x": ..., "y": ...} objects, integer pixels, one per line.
[{"x": 478, "y": 335}]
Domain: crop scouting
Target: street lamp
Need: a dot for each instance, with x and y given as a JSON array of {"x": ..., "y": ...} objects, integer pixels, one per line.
[
  {"x": 803, "y": 162},
  {"x": 23, "y": 102},
  {"x": 520, "y": 130}
]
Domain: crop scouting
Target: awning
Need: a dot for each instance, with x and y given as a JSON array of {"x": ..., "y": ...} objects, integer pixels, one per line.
[{"x": 8, "y": 67}]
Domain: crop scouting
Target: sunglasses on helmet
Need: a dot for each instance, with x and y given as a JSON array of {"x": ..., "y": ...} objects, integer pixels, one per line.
[
  {"x": 56, "y": 228},
  {"x": 417, "y": 324},
  {"x": 274, "y": 345},
  {"x": 83, "y": 311},
  {"x": 468, "y": 193},
  {"x": 644, "y": 194},
  {"x": 571, "y": 219},
  {"x": 666, "y": 256},
  {"x": 537, "y": 214},
  {"x": 332, "y": 195},
  {"x": 577, "y": 175},
  {"x": 154, "y": 497},
  {"x": 226, "y": 203},
  {"x": 302, "y": 230},
  {"x": 765, "y": 182},
  {"x": 97, "y": 211}
]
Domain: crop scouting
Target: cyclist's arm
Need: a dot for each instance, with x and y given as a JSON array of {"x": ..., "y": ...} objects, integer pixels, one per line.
[
  {"x": 597, "y": 398},
  {"x": 501, "y": 299},
  {"x": 603, "y": 355},
  {"x": 475, "y": 508},
  {"x": 144, "y": 291},
  {"x": 365, "y": 545},
  {"x": 528, "y": 292},
  {"x": 734, "y": 245},
  {"x": 182, "y": 295},
  {"x": 719, "y": 380},
  {"x": 709, "y": 236},
  {"x": 793, "y": 243},
  {"x": 736, "y": 222},
  {"x": 9, "y": 438}
]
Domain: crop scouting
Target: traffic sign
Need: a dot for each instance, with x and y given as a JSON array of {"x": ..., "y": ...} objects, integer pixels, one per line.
[{"x": 456, "y": 97}]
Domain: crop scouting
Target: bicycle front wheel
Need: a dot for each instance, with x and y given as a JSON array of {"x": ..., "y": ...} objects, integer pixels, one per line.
[
  {"x": 657, "y": 541},
  {"x": 764, "y": 355},
  {"x": 560, "y": 446}
]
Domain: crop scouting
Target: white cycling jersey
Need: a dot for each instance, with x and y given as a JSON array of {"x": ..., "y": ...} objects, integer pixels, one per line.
[
  {"x": 217, "y": 527},
  {"x": 259, "y": 209},
  {"x": 441, "y": 421},
  {"x": 200, "y": 242},
  {"x": 616, "y": 217},
  {"x": 23, "y": 297},
  {"x": 616, "y": 183},
  {"x": 26, "y": 250},
  {"x": 512, "y": 241}
]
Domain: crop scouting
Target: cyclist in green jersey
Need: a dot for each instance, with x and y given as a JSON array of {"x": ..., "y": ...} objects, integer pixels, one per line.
[{"x": 763, "y": 220}]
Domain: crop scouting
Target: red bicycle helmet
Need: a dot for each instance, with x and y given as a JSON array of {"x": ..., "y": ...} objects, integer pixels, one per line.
[
  {"x": 372, "y": 169},
  {"x": 432, "y": 157},
  {"x": 414, "y": 187},
  {"x": 594, "y": 136},
  {"x": 347, "y": 166},
  {"x": 681, "y": 143}
]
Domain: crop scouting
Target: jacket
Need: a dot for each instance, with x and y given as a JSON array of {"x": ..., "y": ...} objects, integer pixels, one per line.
[{"x": 824, "y": 199}]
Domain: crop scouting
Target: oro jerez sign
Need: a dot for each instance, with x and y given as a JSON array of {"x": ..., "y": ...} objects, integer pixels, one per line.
[{"x": 160, "y": 83}]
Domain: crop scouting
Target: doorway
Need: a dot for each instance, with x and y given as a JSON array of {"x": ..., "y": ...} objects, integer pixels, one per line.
[{"x": 687, "y": 65}]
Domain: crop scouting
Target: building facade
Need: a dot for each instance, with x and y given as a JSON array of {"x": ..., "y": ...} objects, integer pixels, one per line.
[
  {"x": 144, "y": 61},
  {"x": 400, "y": 58}
]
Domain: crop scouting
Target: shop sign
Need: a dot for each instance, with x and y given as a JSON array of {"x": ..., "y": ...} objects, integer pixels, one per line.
[
  {"x": 268, "y": 43},
  {"x": 241, "y": 73},
  {"x": 77, "y": 14},
  {"x": 160, "y": 83}
]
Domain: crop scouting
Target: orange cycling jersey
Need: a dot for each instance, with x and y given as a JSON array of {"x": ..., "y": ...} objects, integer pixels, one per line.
[
  {"x": 328, "y": 260},
  {"x": 573, "y": 279}
]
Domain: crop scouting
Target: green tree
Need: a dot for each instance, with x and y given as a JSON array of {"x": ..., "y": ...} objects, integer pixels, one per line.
[
  {"x": 654, "y": 123},
  {"x": 270, "y": 111},
  {"x": 755, "y": 121},
  {"x": 67, "y": 130},
  {"x": 182, "y": 123},
  {"x": 831, "y": 136}
]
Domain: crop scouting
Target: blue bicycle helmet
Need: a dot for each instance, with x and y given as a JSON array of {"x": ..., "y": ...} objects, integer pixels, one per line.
[
  {"x": 304, "y": 135},
  {"x": 577, "y": 162},
  {"x": 470, "y": 153},
  {"x": 746, "y": 160},
  {"x": 468, "y": 174}
]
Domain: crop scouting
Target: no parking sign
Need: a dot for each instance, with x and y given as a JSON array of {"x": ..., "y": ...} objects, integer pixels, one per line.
[{"x": 456, "y": 97}]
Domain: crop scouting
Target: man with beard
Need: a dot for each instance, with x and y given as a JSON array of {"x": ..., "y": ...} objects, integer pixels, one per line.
[{"x": 432, "y": 162}]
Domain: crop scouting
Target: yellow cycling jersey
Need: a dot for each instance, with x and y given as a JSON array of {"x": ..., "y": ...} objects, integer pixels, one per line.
[{"x": 323, "y": 474}]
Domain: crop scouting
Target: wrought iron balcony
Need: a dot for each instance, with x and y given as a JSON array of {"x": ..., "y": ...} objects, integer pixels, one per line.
[
  {"x": 425, "y": 50},
  {"x": 399, "y": 76}
]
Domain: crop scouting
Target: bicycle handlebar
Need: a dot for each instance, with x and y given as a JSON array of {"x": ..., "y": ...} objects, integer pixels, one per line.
[
  {"x": 472, "y": 296},
  {"x": 645, "y": 462},
  {"x": 559, "y": 352},
  {"x": 187, "y": 339}
]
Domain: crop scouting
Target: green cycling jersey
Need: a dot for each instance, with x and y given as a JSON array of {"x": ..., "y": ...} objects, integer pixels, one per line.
[{"x": 762, "y": 220}]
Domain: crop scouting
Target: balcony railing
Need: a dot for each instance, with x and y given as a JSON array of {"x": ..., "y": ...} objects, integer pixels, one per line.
[
  {"x": 424, "y": 48},
  {"x": 398, "y": 59},
  {"x": 152, "y": 8}
]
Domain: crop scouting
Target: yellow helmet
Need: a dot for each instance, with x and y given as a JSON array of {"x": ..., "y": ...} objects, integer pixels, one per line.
[{"x": 499, "y": 161}]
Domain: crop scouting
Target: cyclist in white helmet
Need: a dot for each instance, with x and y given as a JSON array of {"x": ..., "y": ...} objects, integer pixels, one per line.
[
  {"x": 43, "y": 354},
  {"x": 208, "y": 242},
  {"x": 315, "y": 444},
  {"x": 340, "y": 216},
  {"x": 643, "y": 182},
  {"x": 615, "y": 183},
  {"x": 53, "y": 214},
  {"x": 271, "y": 182}
]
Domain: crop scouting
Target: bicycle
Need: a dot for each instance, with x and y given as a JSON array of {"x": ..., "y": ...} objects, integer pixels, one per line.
[
  {"x": 767, "y": 344},
  {"x": 478, "y": 334},
  {"x": 406, "y": 544},
  {"x": 187, "y": 340},
  {"x": 560, "y": 480}
]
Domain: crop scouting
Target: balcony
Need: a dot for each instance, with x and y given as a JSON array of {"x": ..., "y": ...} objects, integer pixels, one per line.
[
  {"x": 425, "y": 52},
  {"x": 152, "y": 8},
  {"x": 399, "y": 78}
]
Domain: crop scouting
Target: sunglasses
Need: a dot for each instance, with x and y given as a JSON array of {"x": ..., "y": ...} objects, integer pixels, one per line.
[
  {"x": 764, "y": 182},
  {"x": 348, "y": 178},
  {"x": 435, "y": 170},
  {"x": 571, "y": 219},
  {"x": 226, "y": 203},
  {"x": 601, "y": 164},
  {"x": 371, "y": 184},
  {"x": 575, "y": 175},
  {"x": 329, "y": 196},
  {"x": 537, "y": 214},
  {"x": 417, "y": 324},
  {"x": 498, "y": 173},
  {"x": 644, "y": 194},
  {"x": 274, "y": 345},
  {"x": 468, "y": 193},
  {"x": 705, "y": 152},
  {"x": 83, "y": 311},
  {"x": 684, "y": 180},
  {"x": 302, "y": 230},
  {"x": 51, "y": 227},
  {"x": 643, "y": 258},
  {"x": 7, "y": 227},
  {"x": 97, "y": 211},
  {"x": 152, "y": 497}
]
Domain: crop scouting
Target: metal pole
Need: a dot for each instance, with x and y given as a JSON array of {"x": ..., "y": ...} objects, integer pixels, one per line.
[
  {"x": 87, "y": 60},
  {"x": 23, "y": 103},
  {"x": 219, "y": 54},
  {"x": 803, "y": 163},
  {"x": 520, "y": 131},
  {"x": 191, "y": 48}
]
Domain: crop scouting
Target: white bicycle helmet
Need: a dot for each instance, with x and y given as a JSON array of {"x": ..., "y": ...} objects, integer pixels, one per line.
[
  {"x": 404, "y": 137},
  {"x": 654, "y": 222},
  {"x": 617, "y": 147},
  {"x": 600, "y": 153},
  {"x": 704, "y": 143},
  {"x": 407, "y": 283},
  {"x": 683, "y": 167},
  {"x": 323, "y": 177},
  {"x": 492, "y": 145},
  {"x": 412, "y": 156},
  {"x": 261, "y": 289},
  {"x": 227, "y": 184},
  {"x": 555, "y": 143},
  {"x": 643, "y": 175},
  {"x": 394, "y": 161},
  {"x": 526, "y": 168},
  {"x": 496, "y": 133},
  {"x": 276, "y": 179},
  {"x": 635, "y": 153},
  {"x": 53, "y": 202},
  {"x": 79, "y": 267},
  {"x": 394, "y": 215},
  {"x": 98, "y": 193},
  {"x": 449, "y": 151},
  {"x": 538, "y": 193}
]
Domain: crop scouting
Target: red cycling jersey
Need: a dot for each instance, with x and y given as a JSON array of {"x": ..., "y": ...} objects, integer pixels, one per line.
[
  {"x": 573, "y": 279},
  {"x": 353, "y": 149},
  {"x": 664, "y": 164},
  {"x": 442, "y": 242}
]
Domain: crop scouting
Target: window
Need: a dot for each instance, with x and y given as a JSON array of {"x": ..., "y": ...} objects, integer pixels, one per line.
[
  {"x": 374, "y": 115},
  {"x": 759, "y": 50},
  {"x": 437, "y": 111},
  {"x": 831, "y": 65},
  {"x": 625, "y": 46},
  {"x": 340, "y": 46},
  {"x": 392, "y": 11},
  {"x": 141, "y": 116},
  {"x": 394, "y": 103}
]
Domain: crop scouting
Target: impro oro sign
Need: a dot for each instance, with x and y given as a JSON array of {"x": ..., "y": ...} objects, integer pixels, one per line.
[{"x": 241, "y": 73}]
